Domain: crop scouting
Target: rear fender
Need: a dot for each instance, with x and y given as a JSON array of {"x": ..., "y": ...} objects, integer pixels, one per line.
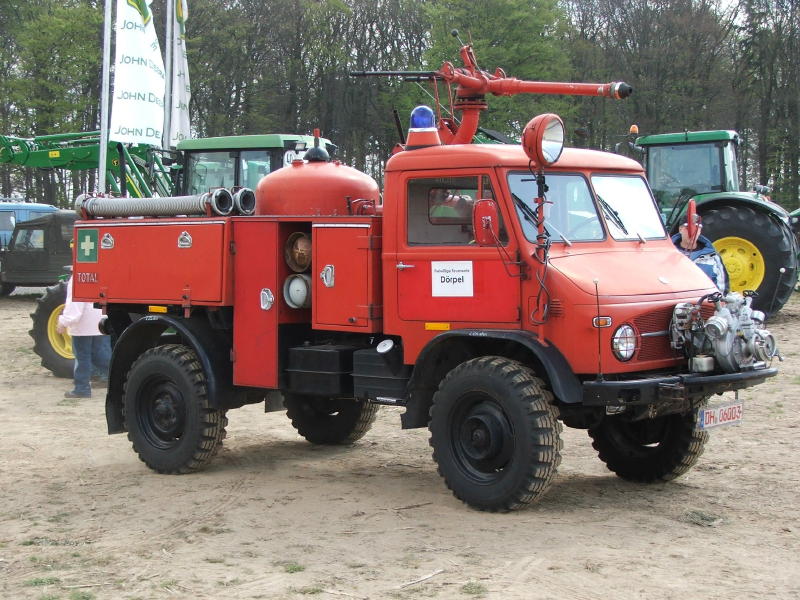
[
  {"x": 755, "y": 201},
  {"x": 211, "y": 346}
]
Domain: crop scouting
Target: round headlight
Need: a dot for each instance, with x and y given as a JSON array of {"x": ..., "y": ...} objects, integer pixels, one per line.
[
  {"x": 543, "y": 139},
  {"x": 624, "y": 342}
]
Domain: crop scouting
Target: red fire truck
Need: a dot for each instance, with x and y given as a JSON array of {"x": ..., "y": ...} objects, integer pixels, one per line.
[{"x": 494, "y": 291}]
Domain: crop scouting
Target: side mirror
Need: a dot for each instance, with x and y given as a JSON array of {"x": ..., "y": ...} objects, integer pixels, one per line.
[{"x": 486, "y": 222}]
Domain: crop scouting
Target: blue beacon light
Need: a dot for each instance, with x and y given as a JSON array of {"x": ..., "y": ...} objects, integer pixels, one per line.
[{"x": 422, "y": 118}]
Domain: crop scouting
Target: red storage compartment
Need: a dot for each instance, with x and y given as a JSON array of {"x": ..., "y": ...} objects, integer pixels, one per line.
[
  {"x": 346, "y": 275},
  {"x": 153, "y": 261}
]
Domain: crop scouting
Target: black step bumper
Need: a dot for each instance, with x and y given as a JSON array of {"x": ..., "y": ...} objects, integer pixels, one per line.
[{"x": 653, "y": 390}]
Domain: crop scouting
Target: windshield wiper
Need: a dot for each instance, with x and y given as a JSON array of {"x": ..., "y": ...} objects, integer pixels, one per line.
[
  {"x": 612, "y": 214},
  {"x": 530, "y": 216}
]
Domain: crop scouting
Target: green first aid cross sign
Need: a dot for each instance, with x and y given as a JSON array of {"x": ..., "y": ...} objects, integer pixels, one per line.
[{"x": 87, "y": 246}]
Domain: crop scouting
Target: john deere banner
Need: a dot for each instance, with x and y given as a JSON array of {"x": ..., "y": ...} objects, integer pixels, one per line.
[
  {"x": 137, "y": 110},
  {"x": 181, "y": 94}
]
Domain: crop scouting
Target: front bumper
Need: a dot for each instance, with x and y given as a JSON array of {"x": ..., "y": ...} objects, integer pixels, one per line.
[{"x": 670, "y": 388}]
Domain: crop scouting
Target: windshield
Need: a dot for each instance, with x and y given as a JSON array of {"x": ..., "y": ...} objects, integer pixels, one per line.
[
  {"x": 684, "y": 169},
  {"x": 627, "y": 207},
  {"x": 570, "y": 213},
  {"x": 208, "y": 170}
]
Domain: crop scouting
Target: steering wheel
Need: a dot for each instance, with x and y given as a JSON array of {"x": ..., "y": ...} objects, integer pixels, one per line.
[{"x": 594, "y": 220}]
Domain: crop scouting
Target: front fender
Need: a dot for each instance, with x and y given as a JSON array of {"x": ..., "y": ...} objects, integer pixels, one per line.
[
  {"x": 211, "y": 346},
  {"x": 449, "y": 349},
  {"x": 752, "y": 200}
]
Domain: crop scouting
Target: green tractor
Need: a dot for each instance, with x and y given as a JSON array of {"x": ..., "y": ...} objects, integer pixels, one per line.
[
  {"x": 141, "y": 171},
  {"x": 751, "y": 233}
]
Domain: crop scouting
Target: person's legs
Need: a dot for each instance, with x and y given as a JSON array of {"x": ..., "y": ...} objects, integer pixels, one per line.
[
  {"x": 101, "y": 356},
  {"x": 82, "y": 349}
]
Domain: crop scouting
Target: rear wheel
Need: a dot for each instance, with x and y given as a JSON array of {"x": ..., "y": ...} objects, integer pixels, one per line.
[
  {"x": 55, "y": 349},
  {"x": 494, "y": 433},
  {"x": 330, "y": 420},
  {"x": 168, "y": 415},
  {"x": 649, "y": 450},
  {"x": 754, "y": 247}
]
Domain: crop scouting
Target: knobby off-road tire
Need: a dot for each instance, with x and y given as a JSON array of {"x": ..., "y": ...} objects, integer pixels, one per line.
[
  {"x": 330, "y": 420},
  {"x": 649, "y": 450},
  {"x": 495, "y": 435},
  {"x": 774, "y": 249},
  {"x": 169, "y": 419},
  {"x": 55, "y": 349}
]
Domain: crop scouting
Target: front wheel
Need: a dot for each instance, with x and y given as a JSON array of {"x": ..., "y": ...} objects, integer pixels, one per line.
[
  {"x": 170, "y": 421},
  {"x": 495, "y": 435},
  {"x": 330, "y": 420},
  {"x": 649, "y": 450}
]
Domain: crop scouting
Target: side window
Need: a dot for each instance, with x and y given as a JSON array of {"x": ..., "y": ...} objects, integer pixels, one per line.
[
  {"x": 440, "y": 209},
  {"x": 29, "y": 239}
]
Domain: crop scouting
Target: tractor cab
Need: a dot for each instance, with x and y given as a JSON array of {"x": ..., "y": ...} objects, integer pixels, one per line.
[
  {"x": 688, "y": 164},
  {"x": 239, "y": 161}
]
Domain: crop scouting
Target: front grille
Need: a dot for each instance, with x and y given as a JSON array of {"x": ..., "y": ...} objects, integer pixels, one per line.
[{"x": 658, "y": 346}]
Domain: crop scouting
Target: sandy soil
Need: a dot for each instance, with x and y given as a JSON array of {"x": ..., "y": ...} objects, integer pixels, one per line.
[{"x": 274, "y": 517}]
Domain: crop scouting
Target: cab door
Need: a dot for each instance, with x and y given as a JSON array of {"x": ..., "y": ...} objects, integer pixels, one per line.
[{"x": 442, "y": 276}]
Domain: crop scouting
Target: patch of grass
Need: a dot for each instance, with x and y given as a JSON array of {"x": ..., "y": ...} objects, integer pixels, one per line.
[
  {"x": 45, "y": 541},
  {"x": 473, "y": 588},
  {"x": 39, "y": 581},
  {"x": 310, "y": 590},
  {"x": 215, "y": 560},
  {"x": 68, "y": 402},
  {"x": 230, "y": 582},
  {"x": 49, "y": 597},
  {"x": 702, "y": 518},
  {"x": 290, "y": 566},
  {"x": 169, "y": 583},
  {"x": 76, "y": 595}
]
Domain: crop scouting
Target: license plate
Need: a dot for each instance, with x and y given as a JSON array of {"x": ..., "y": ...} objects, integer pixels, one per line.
[{"x": 722, "y": 414}]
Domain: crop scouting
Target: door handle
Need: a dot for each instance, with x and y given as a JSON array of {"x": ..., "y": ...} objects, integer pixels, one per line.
[{"x": 402, "y": 266}]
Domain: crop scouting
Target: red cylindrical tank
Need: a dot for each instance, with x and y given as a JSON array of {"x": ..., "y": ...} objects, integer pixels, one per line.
[{"x": 313, "y": 188}]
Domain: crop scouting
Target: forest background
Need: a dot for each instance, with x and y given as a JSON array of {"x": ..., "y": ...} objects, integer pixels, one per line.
[{"x": 269, "y": 66}]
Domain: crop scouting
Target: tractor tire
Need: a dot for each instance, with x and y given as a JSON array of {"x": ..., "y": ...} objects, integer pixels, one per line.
[
  {"x": 754, "y": 247},
  {"x": 6, "y": 289},
  {"x": 168, "y": 415},
  {"x": 495, "y": 434},
  {"x": 330, "y": 420},
  {"x": 55, "y": 349},
  {"x": 649, "y": 450}
]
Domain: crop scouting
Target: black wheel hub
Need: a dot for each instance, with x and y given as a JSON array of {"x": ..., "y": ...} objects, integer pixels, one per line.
[
  {"x": 162, "y": 413},
  {"x": 484, "y": 439}
]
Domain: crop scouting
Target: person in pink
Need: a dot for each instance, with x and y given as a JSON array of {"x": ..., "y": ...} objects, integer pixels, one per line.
[{"x": 92, "y": 350}]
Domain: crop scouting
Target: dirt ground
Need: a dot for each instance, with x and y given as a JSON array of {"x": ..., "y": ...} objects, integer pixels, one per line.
[{"x": 274, "y": 517}]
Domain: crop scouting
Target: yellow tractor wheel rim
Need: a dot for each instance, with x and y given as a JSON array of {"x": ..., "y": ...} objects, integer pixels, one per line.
[
  {"x": 743, "y": 261},
  {"x": 61, "y": 342}
]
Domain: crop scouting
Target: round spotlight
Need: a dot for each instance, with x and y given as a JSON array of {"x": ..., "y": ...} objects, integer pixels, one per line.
[
  {"x": 624, "y": 342},
  {"x": 543, "y": 139}
]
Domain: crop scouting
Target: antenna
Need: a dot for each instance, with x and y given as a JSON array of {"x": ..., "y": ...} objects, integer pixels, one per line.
[
  {"x": 596, "y": 281},
  {"x": 454, "y": 33}
]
